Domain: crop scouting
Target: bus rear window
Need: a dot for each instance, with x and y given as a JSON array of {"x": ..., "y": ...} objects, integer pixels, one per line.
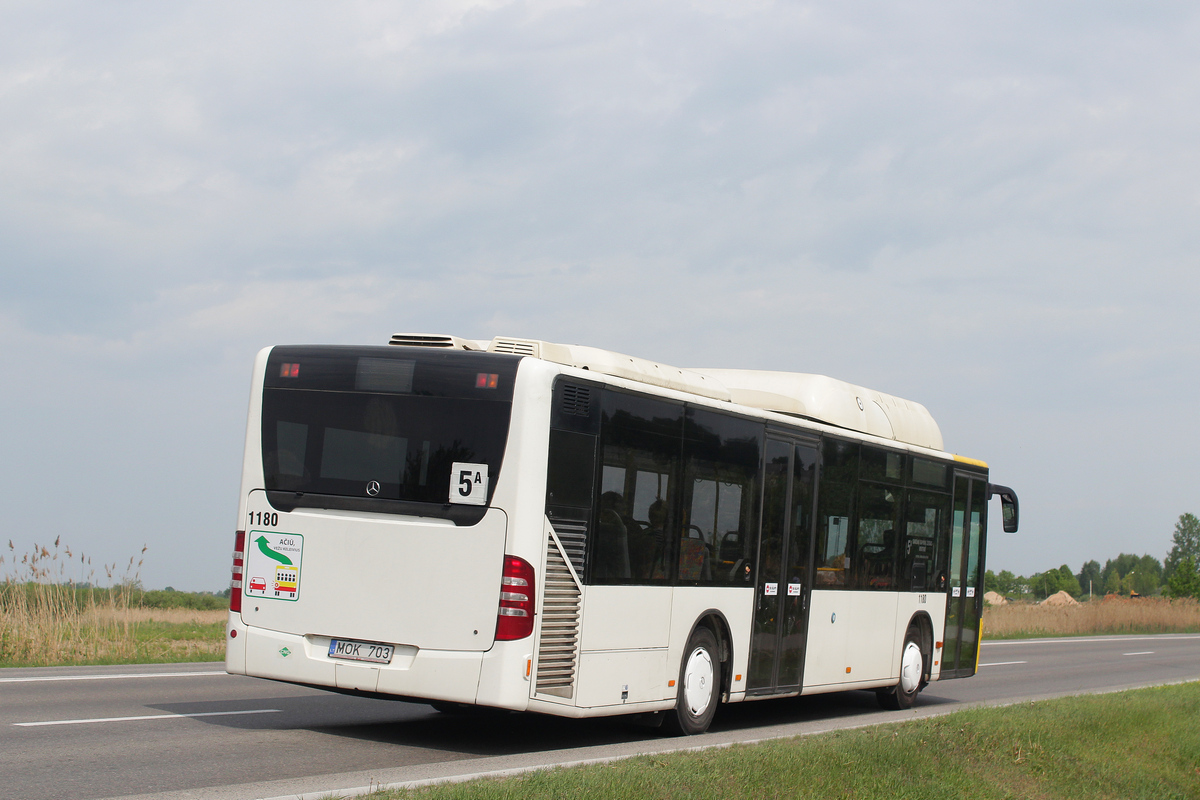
[{"x": 383, "y": 424}]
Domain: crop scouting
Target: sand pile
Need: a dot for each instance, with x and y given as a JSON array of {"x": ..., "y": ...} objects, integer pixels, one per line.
[
  {"x": 994, "y": 599},
  {"x": 1059, "y": 598}
]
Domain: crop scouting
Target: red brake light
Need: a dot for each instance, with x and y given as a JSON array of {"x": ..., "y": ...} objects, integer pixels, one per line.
[
  {"x": 235, "y": 585},
  {"x": 514, "y": 618}
]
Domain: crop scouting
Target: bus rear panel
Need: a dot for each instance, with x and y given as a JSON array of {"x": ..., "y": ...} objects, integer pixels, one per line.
[{"x": 371, "y": 558}]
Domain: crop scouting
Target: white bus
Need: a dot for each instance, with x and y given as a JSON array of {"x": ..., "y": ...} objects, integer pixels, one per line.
[{"x": 540, "y": 527}]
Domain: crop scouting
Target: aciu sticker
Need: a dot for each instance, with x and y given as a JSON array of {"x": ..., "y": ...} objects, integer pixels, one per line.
[
  {"x": 468, "y": 483},
  {"x": 273, "y": 565}
]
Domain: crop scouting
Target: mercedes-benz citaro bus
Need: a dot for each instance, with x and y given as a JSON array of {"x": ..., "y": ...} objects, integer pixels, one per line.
[{"x": 540, "y": 527}]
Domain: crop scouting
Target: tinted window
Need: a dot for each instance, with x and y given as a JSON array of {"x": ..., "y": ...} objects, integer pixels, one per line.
[
  {"x": 338, "y": 420},
  {"x": 721, "y": 460},
  {"x": 882, "y": 465},
  {"x": 835, "y": 500},
  {"x": 637, "y": 518},
  {"x": 930, "y": 473},
  {"x": 876, "y": 543},
  {"x": 926, "y": 530},
  {"x": 570, "y": 469}
]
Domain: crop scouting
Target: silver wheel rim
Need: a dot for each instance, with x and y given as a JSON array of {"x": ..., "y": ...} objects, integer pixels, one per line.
[
  {"x": 697, "y": 681},
  {"x": 911, "y": 667}
]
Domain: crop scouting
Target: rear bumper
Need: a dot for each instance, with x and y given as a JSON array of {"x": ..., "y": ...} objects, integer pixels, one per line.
[{"x": 424, "y": 674}]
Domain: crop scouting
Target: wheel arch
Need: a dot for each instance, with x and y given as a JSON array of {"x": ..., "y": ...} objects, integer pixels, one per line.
[
  {"x": 715, "y": 621},
  {"x": 924, "y": 625}
]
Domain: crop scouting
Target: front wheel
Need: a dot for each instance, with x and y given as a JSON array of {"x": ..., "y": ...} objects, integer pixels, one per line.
[
  {"x": 699, "y": 685},
  {"x": 912, "y": 675}
]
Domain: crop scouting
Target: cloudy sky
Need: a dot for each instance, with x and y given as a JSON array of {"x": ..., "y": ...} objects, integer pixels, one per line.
[{"x": 988, "y": 208}]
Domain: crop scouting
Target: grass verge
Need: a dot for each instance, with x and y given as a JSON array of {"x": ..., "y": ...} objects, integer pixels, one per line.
[{"x": 1135, "y": 744}]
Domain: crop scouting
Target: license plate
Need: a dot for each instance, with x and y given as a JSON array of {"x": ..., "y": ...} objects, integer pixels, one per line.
[{"x": 361, "y": 651}]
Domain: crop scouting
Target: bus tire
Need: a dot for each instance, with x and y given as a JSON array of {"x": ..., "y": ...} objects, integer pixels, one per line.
[
  {"x": 912, "y": 674},
  {"x": 699, "y": 685}
]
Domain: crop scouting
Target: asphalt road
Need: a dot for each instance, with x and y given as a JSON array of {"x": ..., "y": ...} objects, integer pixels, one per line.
[{"x": 179, "y": 732}]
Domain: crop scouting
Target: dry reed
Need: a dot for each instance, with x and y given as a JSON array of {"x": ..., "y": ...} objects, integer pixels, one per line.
[
  {"x": 1112, "y": 615},
  {"x": 48, "y": 616},
  {"x": 172, "y": 616}
]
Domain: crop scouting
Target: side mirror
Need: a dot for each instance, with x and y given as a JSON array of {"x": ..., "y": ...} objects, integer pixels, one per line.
[{"x": 1009, "y": 507}]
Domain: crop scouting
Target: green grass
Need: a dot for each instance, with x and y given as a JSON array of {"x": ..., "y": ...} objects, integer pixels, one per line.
[
  {"x": 152, "y": 632},
  {"x": 168, "y": 642},
  {"x": 1136, "y": 744},
  {"x": 147, "y": 642}
]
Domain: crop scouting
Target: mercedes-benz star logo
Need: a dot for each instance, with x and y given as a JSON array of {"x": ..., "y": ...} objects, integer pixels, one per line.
[{"x": 373, "y": 488}]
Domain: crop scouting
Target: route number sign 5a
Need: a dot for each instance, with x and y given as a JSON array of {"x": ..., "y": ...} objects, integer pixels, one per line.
[{"x": 468, "y": 483}]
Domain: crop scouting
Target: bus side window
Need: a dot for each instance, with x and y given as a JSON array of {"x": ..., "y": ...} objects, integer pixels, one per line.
[
  {"x": 639, "y": 476},
  {"x": 721, "y": 455},
  {"x": 927, "y": 522},
  {"x": 835, "y": 506},
  {"x": 877, "y": 524},
  {"x": 572, "y": 463}
]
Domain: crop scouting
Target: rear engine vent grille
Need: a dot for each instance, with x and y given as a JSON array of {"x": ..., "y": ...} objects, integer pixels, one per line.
[
  {"x": 573, "y": 536},
  {"x": 576, "y": 400},
  {"x": 515, "y": 346},
  {"x": 558, "y": 643}
]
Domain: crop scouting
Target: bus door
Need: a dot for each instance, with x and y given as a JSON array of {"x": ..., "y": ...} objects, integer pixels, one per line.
[
  {"x": 783, "y": 585},
  {"x": 964, "y": 590}
]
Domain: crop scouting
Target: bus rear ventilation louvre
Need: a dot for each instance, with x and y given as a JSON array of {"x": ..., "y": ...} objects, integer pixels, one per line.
[
  {"x": 576, "y": 400},
  {"x": 433, "y": 340},
  {"x": 558, "y": 645},
  {"x": 797, "y": 394}
]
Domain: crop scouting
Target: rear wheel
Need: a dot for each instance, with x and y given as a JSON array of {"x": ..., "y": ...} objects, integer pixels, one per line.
[
  {"x": 699, "y": 685},
  {"x": 912, "y": 674}
]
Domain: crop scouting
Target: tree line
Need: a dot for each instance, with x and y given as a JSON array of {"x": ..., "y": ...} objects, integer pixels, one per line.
[{"x": 1178, "y": 575}]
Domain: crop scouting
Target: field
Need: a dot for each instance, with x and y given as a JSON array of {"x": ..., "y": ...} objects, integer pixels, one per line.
[
  {"x": 48, "y": 625},
  {"x": 49, "y": 633},
  {"x": 1113, "y": 615},
  {"x": 49, "y": 619},
  {"x": 1128, "y": 745}
]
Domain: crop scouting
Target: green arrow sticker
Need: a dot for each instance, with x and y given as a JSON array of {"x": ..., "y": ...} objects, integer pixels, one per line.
[{"x": 266, "y": 550}]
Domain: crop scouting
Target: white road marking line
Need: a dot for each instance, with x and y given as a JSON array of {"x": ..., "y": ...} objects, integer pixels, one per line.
[
  {"x": 1003, "y": 663},
  {"x": 109, "y": 677},
  {"x": 1143, "y": 653},
  {"x": 150, "y": 716},
  {"x": 1165, "y": 638}
]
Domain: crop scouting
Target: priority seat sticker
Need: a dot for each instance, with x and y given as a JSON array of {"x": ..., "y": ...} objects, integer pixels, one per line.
[{"x": 273, "y": 565}]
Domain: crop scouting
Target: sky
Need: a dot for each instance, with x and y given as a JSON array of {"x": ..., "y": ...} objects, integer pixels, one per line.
[{"x": 990, "y": 209}]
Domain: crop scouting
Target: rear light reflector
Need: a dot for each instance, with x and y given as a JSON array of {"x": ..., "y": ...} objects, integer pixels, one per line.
[
  {"x": 514, "y": 617},
  {"x": 235, "y": 585}
]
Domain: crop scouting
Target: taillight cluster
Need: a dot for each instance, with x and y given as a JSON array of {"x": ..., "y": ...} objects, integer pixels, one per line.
[
  {"x": 514, "y": 618},
  {"x": 235, "y": 585}
]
